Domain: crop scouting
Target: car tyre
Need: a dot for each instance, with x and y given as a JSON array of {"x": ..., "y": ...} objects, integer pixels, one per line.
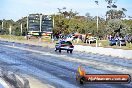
[
  {"x": 55, "y": 49},
  {"x": 111, "y": 44},
  {"x": 70, "y": 51},
  {"x": 124, "y": 44},
  {"x": 82, "y": 80},
  {"x": 60, "y": 50}
]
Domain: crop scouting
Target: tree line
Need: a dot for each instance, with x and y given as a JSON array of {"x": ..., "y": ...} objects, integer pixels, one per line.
[{"x": 66, "y": 22}]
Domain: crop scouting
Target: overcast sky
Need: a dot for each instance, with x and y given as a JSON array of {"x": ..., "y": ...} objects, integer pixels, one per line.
[{"x": 16, "y": 9}]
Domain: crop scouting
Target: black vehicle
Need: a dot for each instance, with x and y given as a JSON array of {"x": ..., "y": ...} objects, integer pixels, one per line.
[
  {"x": 64, "y": 45},
  {"x": 121, "y": 42},
  {"x": 112, "y": 42}
]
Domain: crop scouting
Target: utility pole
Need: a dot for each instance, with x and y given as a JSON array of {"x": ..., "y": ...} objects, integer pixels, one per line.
[
  {"x": 40, "y": 28},
  {"x": 97, "y": 3},
  {"x": 27, "y": 24},
  {"x": 21, "y": 29},
  {"x": 53, "y": 22},
  {"x": 10, "y": 30},
  {"x": 2, "y": 25}
]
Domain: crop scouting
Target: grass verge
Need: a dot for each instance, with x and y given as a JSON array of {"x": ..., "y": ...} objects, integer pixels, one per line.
[{"x": 101, "y": 43}]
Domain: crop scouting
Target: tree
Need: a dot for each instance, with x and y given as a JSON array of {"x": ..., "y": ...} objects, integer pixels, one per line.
[
  {"x": 128, "y": 23},
  {"x": 116, "y": 27},
  {"x": 63, "y": 21},
  {"x": 22, "y": 21},
  {"x": 115, "y": 14},
  {"x": 111, "y": 3},
  {"x": 88, "y": 17},
  {"x": 67, "y": 14},
  {"x": 7, "y": 24}
]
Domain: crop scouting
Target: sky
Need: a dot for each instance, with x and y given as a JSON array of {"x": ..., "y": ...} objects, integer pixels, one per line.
[{"x": 16, "y": 9}]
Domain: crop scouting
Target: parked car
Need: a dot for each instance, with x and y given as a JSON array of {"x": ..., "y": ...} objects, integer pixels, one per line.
[
  {"x": 121, "y": 42},
  {"x": 64, "y": 45},
  {"x": 69, "y": 38},
  {"x": 92, "y": 40},
  {"x": 112, "y": 42}
]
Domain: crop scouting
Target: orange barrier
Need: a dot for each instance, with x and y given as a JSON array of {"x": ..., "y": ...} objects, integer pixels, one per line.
[{"x": 81, "y": 71}]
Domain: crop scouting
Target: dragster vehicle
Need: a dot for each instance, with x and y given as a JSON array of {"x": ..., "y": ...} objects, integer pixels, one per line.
[{"x": 83, "y": 78}]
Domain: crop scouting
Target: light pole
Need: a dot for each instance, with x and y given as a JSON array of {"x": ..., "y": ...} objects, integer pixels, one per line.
[
  {"x": 27, "y": 34},
  {"x": 2, "y": 25},
  {"x": 53, "y": 23},
  {"x": 10, "y": 30},
  {"x": 27, "y": 25},
  {"x": 21, "y": 29},
  {"x": 40, "y": 27},
  {"x": 97, "y": 3}
]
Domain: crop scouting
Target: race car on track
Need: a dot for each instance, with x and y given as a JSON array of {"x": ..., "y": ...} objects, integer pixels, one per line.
[{"x": 64, "y": 45}]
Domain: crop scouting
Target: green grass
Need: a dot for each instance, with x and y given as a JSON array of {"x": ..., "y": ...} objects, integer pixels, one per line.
[
  {"x": 103, "y": 43},
  {"x": 12, "y": 37},
  {"x": 46, "y": 39}
]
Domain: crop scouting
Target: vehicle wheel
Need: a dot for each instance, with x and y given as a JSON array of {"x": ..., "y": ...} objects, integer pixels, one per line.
[
  {"x": 55, "y": 49},
  {"x": 60, "y": 50},
  {"x": 70, "y": 51},
  {"x": 124, "y": 44},
  {"x": 82, "y": 80},
  {"x": 67, "y": 51}
]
